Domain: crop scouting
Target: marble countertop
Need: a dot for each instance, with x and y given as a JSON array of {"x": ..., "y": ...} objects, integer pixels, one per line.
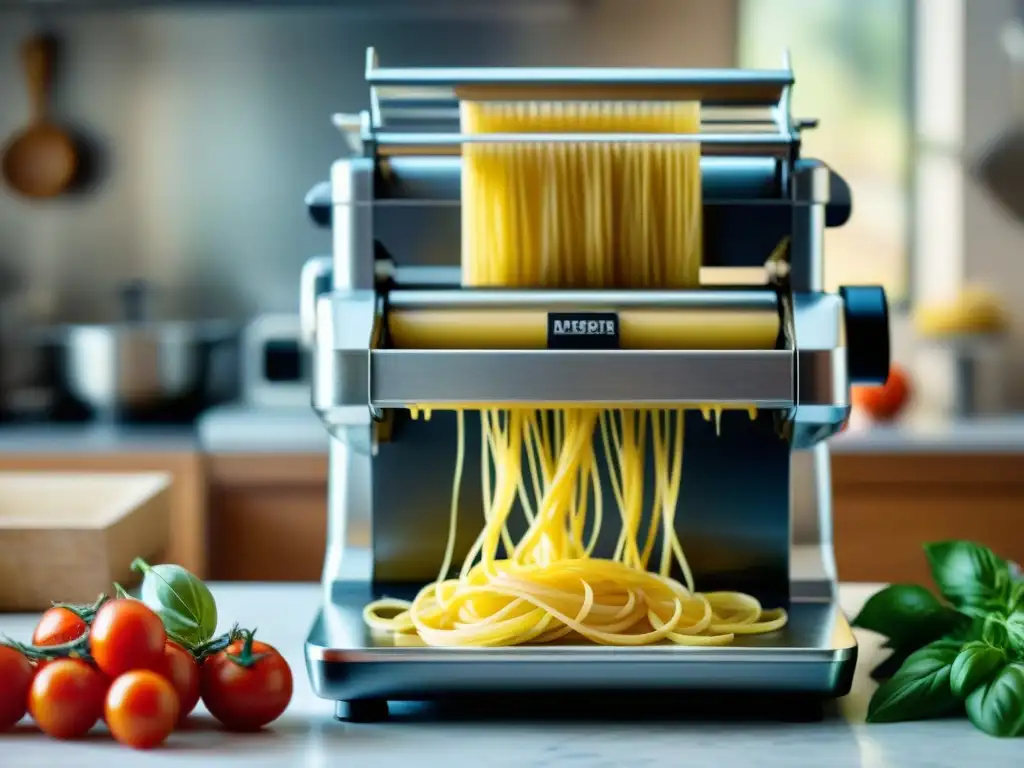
[
  {"x": 96, "y": 438},
  {"x": 307, "y": 735},
  {"x": 239, "y": 429},
  {"x": 235, "y": 429},
  {"x": 983, "y": 434}
]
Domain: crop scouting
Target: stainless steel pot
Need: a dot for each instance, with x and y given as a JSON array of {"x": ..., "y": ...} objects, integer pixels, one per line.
[{"x": 141, "y": 364}]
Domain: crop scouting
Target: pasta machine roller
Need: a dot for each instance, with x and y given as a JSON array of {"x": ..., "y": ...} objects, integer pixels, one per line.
[{"x": 391, "y": 333}]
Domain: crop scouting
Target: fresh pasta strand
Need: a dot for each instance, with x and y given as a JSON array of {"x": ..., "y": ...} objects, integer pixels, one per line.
[{"x": 576, "y": 216}]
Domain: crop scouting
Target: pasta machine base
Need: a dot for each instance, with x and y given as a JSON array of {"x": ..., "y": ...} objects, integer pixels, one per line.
[{"x": 814, "y": 656}]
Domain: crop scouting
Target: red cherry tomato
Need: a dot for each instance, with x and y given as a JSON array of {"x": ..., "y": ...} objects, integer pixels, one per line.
[
  {"x": 66, "y": 698},
  {"x": 16, "y": 673},
  {"x": 126, "y": 635},
  {"x": 246, "y": 696},
  {"x": 182, "y": 671},
  {"x": 58, "y": 626},
  {"x": 141, "y": 709},
  {"x": 886, "y": 402}
]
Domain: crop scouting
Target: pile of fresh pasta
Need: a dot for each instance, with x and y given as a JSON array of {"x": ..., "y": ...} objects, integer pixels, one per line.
[{"x": 576, "y": 215}]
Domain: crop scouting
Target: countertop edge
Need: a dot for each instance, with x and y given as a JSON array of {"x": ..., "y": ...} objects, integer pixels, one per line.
[{"x": 298, "y": 431}]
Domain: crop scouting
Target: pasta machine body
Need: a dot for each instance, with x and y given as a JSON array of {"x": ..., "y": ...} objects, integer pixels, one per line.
[{"x": 397, "y": 330}]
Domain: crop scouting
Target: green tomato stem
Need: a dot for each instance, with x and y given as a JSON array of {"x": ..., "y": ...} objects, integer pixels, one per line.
[
  {"x": 76, "y": 649},
  {"x": 246, "y": 659},
  {"x": 217, "y": 644},
  {"x": 121, "y": 592},
  {"x": 86, "y": 612}
]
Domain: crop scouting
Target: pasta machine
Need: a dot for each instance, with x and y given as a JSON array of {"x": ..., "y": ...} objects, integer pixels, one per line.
[{"x": 755, "y": 508}]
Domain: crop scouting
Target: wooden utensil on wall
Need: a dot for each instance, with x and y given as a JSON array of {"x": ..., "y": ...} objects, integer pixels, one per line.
[{"x": 41, "y": 160}]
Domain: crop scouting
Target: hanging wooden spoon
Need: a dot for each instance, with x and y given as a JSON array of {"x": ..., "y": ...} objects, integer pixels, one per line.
[{"x": 40, "y": 161}]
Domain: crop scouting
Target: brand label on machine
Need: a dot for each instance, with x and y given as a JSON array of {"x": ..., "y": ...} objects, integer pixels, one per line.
[{"x": 583, "y": 330}]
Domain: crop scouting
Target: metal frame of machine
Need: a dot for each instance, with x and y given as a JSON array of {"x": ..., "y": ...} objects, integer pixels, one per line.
[{"x": 393, "y": 210}]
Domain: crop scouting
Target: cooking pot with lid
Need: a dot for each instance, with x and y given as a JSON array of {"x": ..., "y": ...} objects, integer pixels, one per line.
[{"x": 140, "y": 364}]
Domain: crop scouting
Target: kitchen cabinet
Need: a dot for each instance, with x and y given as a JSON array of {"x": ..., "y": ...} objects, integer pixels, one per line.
[
  {"x": 263, "y": 516},
  {"x": 888, "y": 505},
  {"x": 187, "y": 518},
  {"x": 268, "y": 516},
  {"x": 268, "y": 513}
]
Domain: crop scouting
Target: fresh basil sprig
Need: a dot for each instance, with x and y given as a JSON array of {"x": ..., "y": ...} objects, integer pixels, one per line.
[{"x": 961, "y": 654}]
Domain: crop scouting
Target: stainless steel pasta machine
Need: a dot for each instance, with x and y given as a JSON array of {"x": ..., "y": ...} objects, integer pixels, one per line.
[{"x": 755, "y": 509}]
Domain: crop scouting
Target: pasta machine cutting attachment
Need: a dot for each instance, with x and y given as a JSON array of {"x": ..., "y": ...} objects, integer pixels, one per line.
[{"x": 397, "y": 330}]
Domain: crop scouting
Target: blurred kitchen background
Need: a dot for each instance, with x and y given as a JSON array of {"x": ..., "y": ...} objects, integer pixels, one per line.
[{"x": 201, "y": 126}]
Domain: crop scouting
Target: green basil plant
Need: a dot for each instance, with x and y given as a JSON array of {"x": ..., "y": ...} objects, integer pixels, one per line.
[{"x": 962, "y": 654}]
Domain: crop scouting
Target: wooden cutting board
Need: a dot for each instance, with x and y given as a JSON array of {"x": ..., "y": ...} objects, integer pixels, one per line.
[{"x": 67, "y": 537}]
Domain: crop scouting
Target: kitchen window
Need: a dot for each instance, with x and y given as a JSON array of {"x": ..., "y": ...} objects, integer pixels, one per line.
[{"x": 853, "y": 66}]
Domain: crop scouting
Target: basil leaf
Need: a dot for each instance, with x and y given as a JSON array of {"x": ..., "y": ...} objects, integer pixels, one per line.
[
  {"x": 1016, "y": 602},
  {"x": 997, "y": 707},
  {"x": 908, "y": 614},
  {"x": 1015, "y": 631},
  {"x": 995, "y": 632},
  {"x": 954, "y": 644},
  {"x": 970, "y": 576},
  {"x": 973, "y": 666},
  {"x": 181, "y": 600},
  {"x": 890, "y": 666},
  {"x": 899, "y": 656},
  {"x": 920, "y": 689},
  {"x": 943, "y": 648}
]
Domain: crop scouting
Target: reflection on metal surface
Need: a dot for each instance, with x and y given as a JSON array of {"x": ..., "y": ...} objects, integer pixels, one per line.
[{"x": 815, "y": 654}]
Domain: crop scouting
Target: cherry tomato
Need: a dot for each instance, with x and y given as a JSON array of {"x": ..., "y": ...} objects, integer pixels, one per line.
[
  {"x": 246, "y": 698},
  {"x": 183, "y": 673},
  {"x": 141, "y": 709},
  {"x": 885, "y": 402},
  {"x": 16, "y": 673},
  {"x": 126, "y": 635},
  {"x": 66, "y": 698},
  {"x": 58, "y": 626}
]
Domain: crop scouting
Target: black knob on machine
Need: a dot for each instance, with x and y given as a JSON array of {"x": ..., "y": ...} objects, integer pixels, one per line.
[
  {"x": 318, "y": 204},
  {"x": 867, "y": 333}
]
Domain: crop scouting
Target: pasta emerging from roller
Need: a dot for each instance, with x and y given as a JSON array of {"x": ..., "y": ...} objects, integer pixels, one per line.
[{"x": 576, "y": 215}]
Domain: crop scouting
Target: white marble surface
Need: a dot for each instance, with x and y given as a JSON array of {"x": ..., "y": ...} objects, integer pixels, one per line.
[
  {"x": 95, "y": 438},
  {"x": 241, "y": 429},
  {"x": 988, "y": 434},
  {"x": 308, "y": 736},
  {"x": 238, "y": 429}
]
